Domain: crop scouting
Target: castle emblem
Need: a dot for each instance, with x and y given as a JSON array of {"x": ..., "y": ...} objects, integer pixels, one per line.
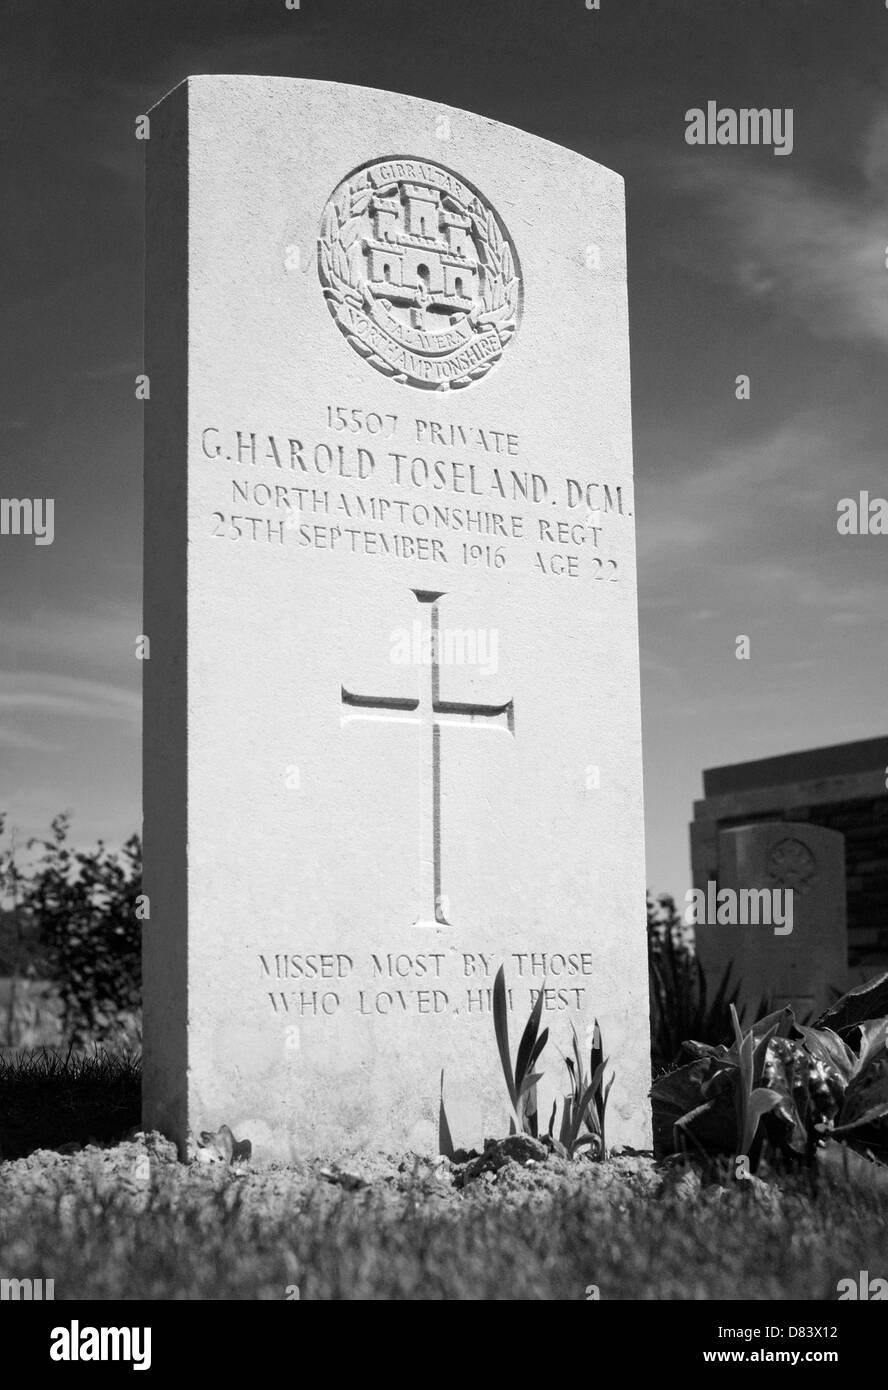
[{"x": 419, "y": 273}]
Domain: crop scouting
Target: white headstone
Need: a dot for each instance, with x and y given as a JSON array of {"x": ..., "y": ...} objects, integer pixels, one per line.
[
  {"x": 802, "y": 959},
  {"x": 392, "y": 734}
]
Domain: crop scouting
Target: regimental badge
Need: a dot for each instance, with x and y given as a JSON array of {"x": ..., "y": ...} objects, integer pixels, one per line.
[
  {"x": 792, "y": 865},
  {"x": 419, "y": 273}
]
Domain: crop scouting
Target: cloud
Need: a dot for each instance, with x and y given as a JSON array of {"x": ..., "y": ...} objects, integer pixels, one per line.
[
  {"x": 795, "y": 247},
  {"x": 756, "y": 522},
  {"x": 25, "y": 743},
  {"x": 94, "y": 636},
  {"x": 42, "y": 693}
]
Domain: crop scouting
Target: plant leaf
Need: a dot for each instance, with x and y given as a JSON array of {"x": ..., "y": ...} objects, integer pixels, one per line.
[
  {"x": 864, "y": 1002},
  {"x": 529, "y": 1082},
  {"x": 586, "y": 1110},
  {"x": 585, "y": 1139},
  {"x": 566, "y": 1121},
  {"x": 538, "y": 1047},
  {"x": 757, "y": 1104},
  {"x": 829, "y": 1048},
  {"x": 501, "y": 1028},
  {"x": 528, "y": 1038},
  {"x": 445, "y": 1139},
  {"x": 866, "y": 1098},
  {"x": 596, "y": 1053},
  {"x": 552, "y": 1117}
]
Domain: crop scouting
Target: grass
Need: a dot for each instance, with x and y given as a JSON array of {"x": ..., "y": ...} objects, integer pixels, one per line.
[
  {"x": 128, "y": 1222},
  {"x": 49, "y": 1098},
  {"x": 219, "y": 1236}
]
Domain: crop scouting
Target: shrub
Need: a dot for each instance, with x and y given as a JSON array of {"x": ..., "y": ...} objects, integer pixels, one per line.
[
  {"x": 84, "y": 906},
  {"x": 680, "y": 1005}
]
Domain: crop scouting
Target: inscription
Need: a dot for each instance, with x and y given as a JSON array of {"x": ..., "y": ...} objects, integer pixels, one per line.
[
  {"x": 355, "y": 421},
  {"x": 256, "y": 528},
  {"x": 386, "y": 984},
  {"x": 492, "y": 511}
]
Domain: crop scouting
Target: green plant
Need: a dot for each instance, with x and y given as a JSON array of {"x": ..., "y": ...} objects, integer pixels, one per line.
[
  {"x": 716, "y": 1101},
  {"x": 445, "y": 1139},
  {"x": 752, "y": 1100},
  {"x": 816, "y": 1084},
  {"x": 584, "y": 1107},
  {"x": 586, "y": 1103},
  {"x": 863, "y": 1114},
  {"x": 10, "y": 888},
  {"x": 50, "y": 1097},
  {"x": 680, "y": 1006},
  {"x": 522, "y": 1082},
  {"x": 84, "y": 904}
]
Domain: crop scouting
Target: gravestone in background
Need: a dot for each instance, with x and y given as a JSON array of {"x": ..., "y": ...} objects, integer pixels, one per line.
[
  {"x": 842, "y": 788},
  {"x": 392, "y": 733},
  {"x": 807, "y": 967}
]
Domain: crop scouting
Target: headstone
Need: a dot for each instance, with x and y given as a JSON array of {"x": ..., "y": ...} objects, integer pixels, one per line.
[
  {"x": 798, "y": 958},
  {"x": 841, "y": 787},
  {"x": 392, "y": 734}
]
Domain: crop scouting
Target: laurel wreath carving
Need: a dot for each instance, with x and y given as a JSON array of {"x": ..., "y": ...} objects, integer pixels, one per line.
[{"x": 340, "y": 263}]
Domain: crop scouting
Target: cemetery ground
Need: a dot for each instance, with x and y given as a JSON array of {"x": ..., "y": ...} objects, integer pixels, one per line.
[
  {"x": 106, "y": 1211},
  {"x": 111, "y": 1213}
]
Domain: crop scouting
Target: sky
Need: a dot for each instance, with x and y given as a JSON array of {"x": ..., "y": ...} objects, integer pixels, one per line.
[{"x": 740, "y": 262}]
